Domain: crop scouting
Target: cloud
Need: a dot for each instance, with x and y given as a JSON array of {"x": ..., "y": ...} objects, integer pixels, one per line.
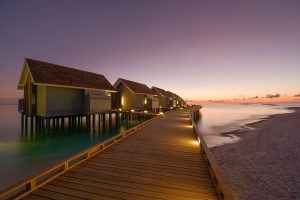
[
  {"x": 256, "y": 97},
  {"x": 271, "y": 96},
  {"x": 297, "y": 95},
  {"x": 216, "y": 101}
]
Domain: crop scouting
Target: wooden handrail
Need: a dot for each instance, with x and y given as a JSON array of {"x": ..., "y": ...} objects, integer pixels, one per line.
[
  {"x": 223, "y": 189},
  {"x": 25, "y": 187}
]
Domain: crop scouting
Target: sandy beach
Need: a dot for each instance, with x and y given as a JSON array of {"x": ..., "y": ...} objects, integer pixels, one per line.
[{"x": 265, "y": 163}]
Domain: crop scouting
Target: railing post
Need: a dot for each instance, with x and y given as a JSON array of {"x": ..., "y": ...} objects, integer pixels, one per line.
[
  {"x": 32, "y": 184},
  {"x": 66, "y": 164}
]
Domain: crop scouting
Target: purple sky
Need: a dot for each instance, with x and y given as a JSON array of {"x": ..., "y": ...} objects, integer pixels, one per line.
[{"x": 198, "y": 49}]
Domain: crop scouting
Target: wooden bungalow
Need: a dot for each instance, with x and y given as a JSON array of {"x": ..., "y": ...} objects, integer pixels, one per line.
[
  {"x": 164, "y": 98},
  {"x": 179, "y": 101},
  {"x": 135, "y": 96},
  {"x": 54, "y": 90},
  {"x": 172, "y": 100}
]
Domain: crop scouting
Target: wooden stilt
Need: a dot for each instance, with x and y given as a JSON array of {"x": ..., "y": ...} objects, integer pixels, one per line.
[
  {"x": 26, "y": 123},
  {"x": 57, "y": 123},
  {"x": 88, "y": 122},
  {"x": 117, "y": 119},
  {"x": 94, "y": 120},
  {"x": 109, "y": 120},
  {"x": 48, "y": 123},
  {"x": 31, "y": 124},
  {"x": 99, "y": 121},
  {"x": 63, "y": 122},
  {"x": 22, "y": 122}
]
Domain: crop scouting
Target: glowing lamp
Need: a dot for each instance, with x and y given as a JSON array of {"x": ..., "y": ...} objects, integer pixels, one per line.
[{"x": 122, "y": 101}]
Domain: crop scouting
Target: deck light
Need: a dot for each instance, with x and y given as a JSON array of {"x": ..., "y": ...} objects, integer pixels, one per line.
[
  {"x": 161, "y": 113},
  {"x": 120, "y": 109},
  {"x": 145, "y": 111},
  {"x": 195, "y": 142},
  {"x": 132, "y": 110}
]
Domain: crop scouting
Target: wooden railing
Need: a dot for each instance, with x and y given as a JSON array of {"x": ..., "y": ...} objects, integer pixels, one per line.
[
  {"x": 223, "y": 189},
  {"x": 25, "y": 187}
]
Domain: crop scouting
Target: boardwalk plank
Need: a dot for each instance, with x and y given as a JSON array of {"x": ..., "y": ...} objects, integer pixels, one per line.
[
  {"x": 128, "y": 190},
  {"x": 136, "y": 184},
  {"x": 52, "y": 195},
  {"x": 147, "y": 181},
  {"x": 123, "y": 165},
  {"x": 159, "y": 162},
  {"x": 148, "y": 171}
]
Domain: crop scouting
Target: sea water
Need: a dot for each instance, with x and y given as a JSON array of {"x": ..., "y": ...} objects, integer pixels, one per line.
[
  {"x": 217, "y": 119},
  {"x": 23, "y": 155}
]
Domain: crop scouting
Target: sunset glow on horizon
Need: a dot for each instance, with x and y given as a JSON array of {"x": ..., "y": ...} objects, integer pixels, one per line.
[{"x": 205, "y": 51}]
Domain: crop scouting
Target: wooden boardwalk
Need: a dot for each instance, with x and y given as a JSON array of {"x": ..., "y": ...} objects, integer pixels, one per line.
[{"x": 161, "y": 161}]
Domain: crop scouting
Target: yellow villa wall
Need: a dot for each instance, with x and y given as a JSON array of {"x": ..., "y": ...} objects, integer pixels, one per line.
[{"x": 41, "y": 100}]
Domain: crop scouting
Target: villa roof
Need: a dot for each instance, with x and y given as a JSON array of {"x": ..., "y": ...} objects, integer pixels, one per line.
[
  {"x": 173, "y": 95},
  {"x": 52, "y": 74},
  {"x": 162, "y": 92},
  {"x": 135, "y": 86},
  {"x": 177, "y": 96}
]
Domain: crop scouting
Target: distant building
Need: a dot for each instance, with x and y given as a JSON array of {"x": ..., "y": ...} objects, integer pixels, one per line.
[
  {"x": 179, "y": 101},
  {"x": 172, "y": 100},
  {"x": 164, "y": 98},
  {"x": 54, "y": 90},
  {"x": 134, "y": 96},
  {"x": 175, "y": 101}
]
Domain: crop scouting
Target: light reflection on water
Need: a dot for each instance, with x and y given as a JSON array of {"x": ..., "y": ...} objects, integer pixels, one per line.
[
  {"x": 220, "y": 118},
  {"x": 23, "y": 155}
]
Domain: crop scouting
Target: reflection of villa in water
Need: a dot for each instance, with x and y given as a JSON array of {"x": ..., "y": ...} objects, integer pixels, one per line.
[{"x": 55, "y": 95}]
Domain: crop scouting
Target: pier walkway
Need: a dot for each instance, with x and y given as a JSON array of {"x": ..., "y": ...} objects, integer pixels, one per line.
[{"x": 161, "y": 161}]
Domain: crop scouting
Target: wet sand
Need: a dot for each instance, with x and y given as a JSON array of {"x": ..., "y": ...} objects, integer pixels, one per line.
[{"x": 265, "y": 163}]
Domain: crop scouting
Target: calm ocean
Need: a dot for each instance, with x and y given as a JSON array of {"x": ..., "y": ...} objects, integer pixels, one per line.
[
  {"x": 23, "y": 155},
  {"x": 220, "y": 118}
]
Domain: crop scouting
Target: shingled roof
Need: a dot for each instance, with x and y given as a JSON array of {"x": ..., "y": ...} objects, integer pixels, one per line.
[
  {"x": 52, "y": 74},
  {"x": 162, "y": 92},
  {"x": 135, "y": 86},
  {"x": 172, "y": 95},
  {"x": 177, "y": 96}
]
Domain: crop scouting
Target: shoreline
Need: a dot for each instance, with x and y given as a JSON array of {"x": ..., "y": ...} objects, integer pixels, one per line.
[
  {"x": 252, "y": 125},
  {"x": 263, "y": 164}
]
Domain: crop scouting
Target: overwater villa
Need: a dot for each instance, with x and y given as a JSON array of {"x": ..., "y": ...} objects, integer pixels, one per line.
[
  {"x": 179, "y": 101},
  {"x": 54, "y": 90},
  {"x": 164, "y": 98},
  {"x": 173, "y": 100},
  {"x": 135, "y": 96}
]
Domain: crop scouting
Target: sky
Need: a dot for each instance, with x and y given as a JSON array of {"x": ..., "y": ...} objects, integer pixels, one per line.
[{"x": 200, "y": 49}]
